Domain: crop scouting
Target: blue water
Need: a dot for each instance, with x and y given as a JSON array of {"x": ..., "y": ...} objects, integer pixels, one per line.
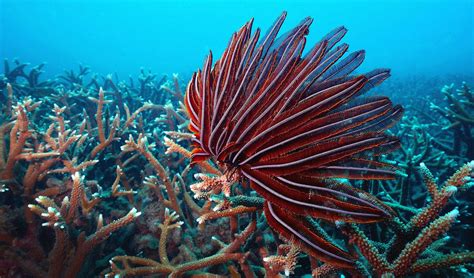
[{"x": 411, "y": 37}]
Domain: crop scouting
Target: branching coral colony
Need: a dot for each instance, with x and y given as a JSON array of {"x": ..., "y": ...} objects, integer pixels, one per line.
[{"x": 96, "y": 179}]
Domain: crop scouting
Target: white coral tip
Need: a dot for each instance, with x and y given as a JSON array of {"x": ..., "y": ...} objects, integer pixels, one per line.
[
  {"x": 454, "y": 213},
  {"x": 133, "y": 212},
  {"x": 40, "y": 198},
  {"x": 451, "y": 189}
]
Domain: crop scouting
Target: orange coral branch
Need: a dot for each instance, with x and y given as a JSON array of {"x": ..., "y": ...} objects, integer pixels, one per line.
[
  {"x": 442, "y": 262},
  {"x": 103, "y": 141},
  {"x": 136, "y": 266},
  {"x": 142, "y": 147},
  {"x": 429, "y": 234},
  {"x": 85, "y": 245},
  {"x": 176, "y": 148},
  {"x": 18, "y": 136},
  {"x": 225, "y": 213},
  {"x": 3, "y": 129}
]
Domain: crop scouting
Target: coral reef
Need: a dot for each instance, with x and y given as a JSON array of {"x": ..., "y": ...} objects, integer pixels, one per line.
[
  {"x": 414, "y": 245},
  {"x": 96, "y": 178},
  {"x": 55, "y": 168},
  {"x": 459, "y": 119}
]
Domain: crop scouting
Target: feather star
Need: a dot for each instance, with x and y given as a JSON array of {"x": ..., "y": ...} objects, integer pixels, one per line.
[{"x": 293, "y": 125}]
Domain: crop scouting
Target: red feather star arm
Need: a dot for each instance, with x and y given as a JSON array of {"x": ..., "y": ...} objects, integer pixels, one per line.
[{"x": 288, "y": 123}]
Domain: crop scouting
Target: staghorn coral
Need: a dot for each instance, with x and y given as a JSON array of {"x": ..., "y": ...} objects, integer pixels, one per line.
[
  {"x": 29, "y": 166},
  {"x": 460, "y": 120},
  {"x": 134, "y": 266},
  {"x": 52, "y": 168},
  {"x": 33, "y": 86},
  {"x": 413, "y": 247},
  {"x": 417, "y": 147},
  {"x": 225, "y": 222}
]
